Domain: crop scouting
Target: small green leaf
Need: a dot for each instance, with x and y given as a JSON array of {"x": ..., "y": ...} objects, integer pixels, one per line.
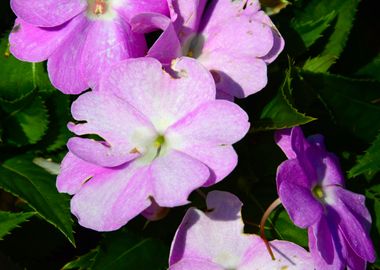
[
  {"x": 36, "y": 187},
  {"x": 279, "y": 112},
  {"x": 374, "y": 194},
  {"x": 371, "y": 69},
  {"x": 319, "y": 63},
  {"x": 290, "y": 232},
  {"x": 83, "y": 262},
  {"x": 9, "y": 221},
  {"x": 311, "y": 31},
  {"x": 369, "y": 163}
]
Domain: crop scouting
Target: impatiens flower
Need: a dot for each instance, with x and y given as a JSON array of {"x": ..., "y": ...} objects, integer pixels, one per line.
[
  {"x": 215, "y": 241},
  {"x": 233, "y": 39},
  {"x": 80, "y": 38},
  {"x": 162, "y": 137},
  {"x": 311, "y": 187}
]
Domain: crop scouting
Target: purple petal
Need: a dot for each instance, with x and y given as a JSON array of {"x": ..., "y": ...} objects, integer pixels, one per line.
[
  {"x": 167, "y": 47},
  {"x": 124, "y": 140},
  {"x": 36, "y": 44},
  {"x": 288, "y": 256},
  {"x": 74, "y": 173},
  {"x": 155, "y": 212},
  {"x": 175, "y": 175},
  {"x": 130, "y": 8},
  {"x": 64, "y": 65},
  {"x": 355, "y": 222},
  {"x": 47, "y": 13},
  {"x": 206, "y": 125},
  {"x": 109, "y": 42},
  {"x": 216, "y": 236},
  {"x": 161, "y": 98},
  {"x": 110, "y": 199},
  {"x": 296, "y": 195},
  {"x": 332, "y": 174},
  {"x": 283, "y": 139},
  {"x": 195, "y": 263}
]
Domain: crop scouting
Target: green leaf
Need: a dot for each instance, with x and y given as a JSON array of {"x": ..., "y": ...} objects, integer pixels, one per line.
[
  {"x": 124, "y": 250},
  {"x": 83, "y": 262},
  {"x": 374, "y": 194},
  {"x": 279, "y": 112},
  {"x": 371, "y": 69},
  {"x": 17, "y": 78},
  {"x": 36, "y": 187},
  {"x": 9, "y": 221},
  {"x": 311, "y": 31},
  {"x": 290, "y": 232},
  {"x": 369, "y": 163},
  {"x": 351, "y": 102},
  {"x": 319, "y": 63}
]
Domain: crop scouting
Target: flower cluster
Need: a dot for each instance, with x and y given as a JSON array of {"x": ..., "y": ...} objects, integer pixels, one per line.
[{"x": 160, "y": 122}]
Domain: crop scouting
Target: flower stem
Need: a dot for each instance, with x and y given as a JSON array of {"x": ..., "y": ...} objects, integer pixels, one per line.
[{"x": 267, "y": 212}]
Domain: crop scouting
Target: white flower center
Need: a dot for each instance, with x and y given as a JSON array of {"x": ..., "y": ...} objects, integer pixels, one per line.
[{"x": 100, "y": 9}]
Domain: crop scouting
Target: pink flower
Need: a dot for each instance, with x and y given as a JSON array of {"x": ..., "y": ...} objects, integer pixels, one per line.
[
  {"x": 233, "y": 39},
  {"x": 163, "y": 137},
  {"x": 215, "y": 241},
  {"x": 79, "y": 38}
]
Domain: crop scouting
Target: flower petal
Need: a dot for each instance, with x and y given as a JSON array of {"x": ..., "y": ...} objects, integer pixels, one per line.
[
  {"x": 64, "y": 65},
  {"x": 161, "y": 98},
  {"x": 175, "y": 175},
  {"x": 195, "y": 263},
  {"x": 283, "y": 139},
  {"x": 112, "y": 198},
  {"x": 74, "y": 173},
  {"x": 47, "y": 13},
  {"x": 36, "y": 44},
  {"x": 125, "y": 139},
  {"x": 109, "y": 42},
  {"x": 296, "y": 195},
  {"x": 130, "y": 8},
  {"x": 216, "y": 236},
  {"x": 206, "y": 125}
]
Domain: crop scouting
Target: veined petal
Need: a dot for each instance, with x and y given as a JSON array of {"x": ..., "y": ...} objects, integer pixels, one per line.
[
  {"x": 175, "y": 175},
  {"x": 161, "y": 98},
  {"x": 36, "y": 44},
  {"x": 109, "y": 42},
  {"x": 110, "y": 199},
  {"x": 125, "y": 139},
  {"x": 47, "y": 13}
]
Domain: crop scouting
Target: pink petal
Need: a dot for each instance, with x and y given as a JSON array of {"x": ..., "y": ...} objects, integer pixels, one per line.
[
  {"x": 112, "y": 198},
  {"x": 195, "y": 263},
  {"x": 64, "y": 65},
  {"x": 175, "y": 175},
  {"x": 206, "y": 125},
  {"x": 74, "y": 173},
  {"x": 287, "y": 255},
  {"x": 167, "y": 47},
  {"x": 124, "y": 138},
  {"x": 234, "y": 72},
  {"x": 160, "y": 97},
  {"x": 47, "y": 13},
  {"x": 296, "y": 194},
  {"x": 36, "y": 44},
  {"x": 216, "y": 236},
  {"x": 130, "y": 8},
  {"x": 109, "y": 42}
]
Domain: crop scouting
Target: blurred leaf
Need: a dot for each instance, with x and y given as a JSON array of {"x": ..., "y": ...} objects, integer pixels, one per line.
[
  {"x": 279, "y": 112},
  {"x": 124, "y": 250},
  {"x": 311, "y": 31},
  {"x": 374, "y": 194},
  {"x": 35, "y": 186},
  {"x": 369, "y": 163},
  {"x": 29, "y": 123},
  {"x": 83, "y": 262},
  {"x": 290, "y": 232},
  {"x": 319, "y": 63},
  {"x": 372, "y": 69},
  {"x": 9, "y": 221},
  {"x": 352, "y": 103}
]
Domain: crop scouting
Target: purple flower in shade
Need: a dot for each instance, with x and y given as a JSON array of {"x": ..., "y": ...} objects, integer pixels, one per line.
[
  {"x": 80, "y": 38},
  {"x": 163, "y": 137},
  {"x": 215, "y": 241},
  {"x": 311, "y": 187},
  {"x": 233, "y": 39}
]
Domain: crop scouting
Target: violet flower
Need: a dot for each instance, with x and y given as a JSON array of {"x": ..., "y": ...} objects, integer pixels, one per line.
[
  {"x": 80, "y": 38},
  {"x": 233, "y": 39},
  {"x": 215, "y": 241},
  {"x": 311, "y": 187},
  {"x": 163, "y": 137}
]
